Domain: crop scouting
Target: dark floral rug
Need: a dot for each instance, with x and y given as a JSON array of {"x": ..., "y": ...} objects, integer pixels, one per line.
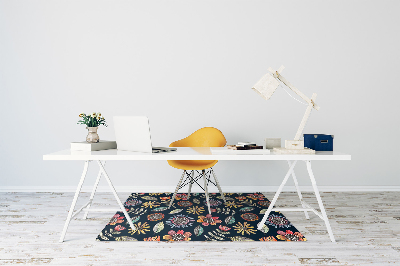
[{"x": 188, "y": 219}]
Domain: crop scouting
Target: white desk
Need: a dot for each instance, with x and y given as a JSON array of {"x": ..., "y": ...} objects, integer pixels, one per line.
[{"x": 194, "y": 154}]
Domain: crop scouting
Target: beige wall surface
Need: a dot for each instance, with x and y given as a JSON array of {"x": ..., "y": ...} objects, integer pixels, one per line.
[{"x": 191, "y": 64}]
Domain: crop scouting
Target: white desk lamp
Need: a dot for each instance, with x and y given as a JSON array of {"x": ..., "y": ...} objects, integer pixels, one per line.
[{"x": 266, "y": 86}]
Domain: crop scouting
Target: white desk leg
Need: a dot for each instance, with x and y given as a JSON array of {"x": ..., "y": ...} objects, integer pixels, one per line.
[
  {"x": 190, "y": 183},
  {"x": 116, "y": 196},
  {"x": 71, "y": 209},
  {"x": 298, "y": 191},
  {"x": 321, "y": 205},
  {"x": 219, "y": 187},
  {"x": 93, "y": 192},
  {"x": 271, "y": 205}
]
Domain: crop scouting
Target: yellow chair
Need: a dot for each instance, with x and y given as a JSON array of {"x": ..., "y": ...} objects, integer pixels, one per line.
[{"x": 204, "y": 137}]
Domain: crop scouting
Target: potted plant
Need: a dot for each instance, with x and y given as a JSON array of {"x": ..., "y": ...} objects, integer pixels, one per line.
[{"x": 92, "y": 123}]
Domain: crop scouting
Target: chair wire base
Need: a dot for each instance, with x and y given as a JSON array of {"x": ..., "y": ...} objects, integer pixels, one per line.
[{"x": 194, "y": 176}]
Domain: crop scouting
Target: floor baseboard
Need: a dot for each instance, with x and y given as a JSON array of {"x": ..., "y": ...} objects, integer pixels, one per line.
[{"x": 195, "y": 189}]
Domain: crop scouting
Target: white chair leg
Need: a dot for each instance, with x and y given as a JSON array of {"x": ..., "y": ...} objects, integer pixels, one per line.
[
  {"x": 299, "y": 192},
  {"x": 177, "y": 188},
  {"x": 206, "y": 191},
  {"x": 321, "y": 205},
  {"x": 191, "y": 183},
  {"x": 93, "y": 192},
  {"x": 219, "y": 187}
]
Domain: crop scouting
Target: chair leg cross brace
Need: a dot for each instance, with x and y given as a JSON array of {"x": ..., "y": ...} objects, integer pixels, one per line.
[
  {"x": 86, "y": 207},
  {"x": 305, "y": 207}
]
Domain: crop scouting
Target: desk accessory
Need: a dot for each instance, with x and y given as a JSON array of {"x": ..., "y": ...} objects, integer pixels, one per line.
[
  {"x": 98, "y": 146},
  {"x": 92, "y": 123},
  {"x": 319, "y": 142},
  {"x": 271, "y": 143},
  {"x": 266, "y": 86}
]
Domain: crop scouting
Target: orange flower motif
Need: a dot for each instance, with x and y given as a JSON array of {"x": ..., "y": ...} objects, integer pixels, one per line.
[
  {"x": 208, "y": 220},
  {"x": 154, "y": 238},
  {"x": 177, "y": 236},
  {"x": 241, "y": 198},
  {"x": 290, "y": 236},
  {"x": 256, "y": 196},
  {"x": 268, "y": 238},
  {"x": 165, "y": 198}
]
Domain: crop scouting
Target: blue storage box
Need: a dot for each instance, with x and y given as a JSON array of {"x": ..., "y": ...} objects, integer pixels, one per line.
[{"x": 318, "y": 142}]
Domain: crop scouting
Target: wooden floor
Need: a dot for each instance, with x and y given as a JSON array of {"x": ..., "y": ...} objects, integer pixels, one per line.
[{"x": 366, "y": 226}]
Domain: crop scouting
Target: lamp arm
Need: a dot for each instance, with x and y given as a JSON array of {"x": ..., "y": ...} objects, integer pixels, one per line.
[
  {"x": 293, "y": 88},
  {"x": 305, "y": 117}
]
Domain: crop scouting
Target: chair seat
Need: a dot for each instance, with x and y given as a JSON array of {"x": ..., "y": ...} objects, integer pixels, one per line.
[{"x": 192, "y": 164}]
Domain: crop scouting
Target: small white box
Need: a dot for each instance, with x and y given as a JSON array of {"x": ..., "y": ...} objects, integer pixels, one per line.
[
  {"x": 271, "y": 143},
  {"x": 294, "y": 144}
]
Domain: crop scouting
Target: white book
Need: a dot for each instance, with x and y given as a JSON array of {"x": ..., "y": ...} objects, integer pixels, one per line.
[{"x": 86, "y": 146}]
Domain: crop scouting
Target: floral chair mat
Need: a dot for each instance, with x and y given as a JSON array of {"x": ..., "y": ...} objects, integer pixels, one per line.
[{"x": 188, "y": 219}]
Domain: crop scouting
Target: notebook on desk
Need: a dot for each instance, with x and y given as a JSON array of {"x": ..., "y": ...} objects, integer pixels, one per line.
[{"x": 133, "y": 134}]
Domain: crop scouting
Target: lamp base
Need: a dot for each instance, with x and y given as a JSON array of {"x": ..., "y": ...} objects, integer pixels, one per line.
[
  {"x": 294, "y": 144},
  {"x": 293, "y": 151}
]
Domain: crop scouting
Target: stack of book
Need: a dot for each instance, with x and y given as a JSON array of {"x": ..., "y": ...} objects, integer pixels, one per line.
[
  {"x": 98, "y": 146},
  {"x": 245, "y": 146},
  {"x": 240, "y": 148}
]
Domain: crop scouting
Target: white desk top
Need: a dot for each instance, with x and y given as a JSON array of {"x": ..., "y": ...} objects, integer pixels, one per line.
[{"x": 185, "y": 153}]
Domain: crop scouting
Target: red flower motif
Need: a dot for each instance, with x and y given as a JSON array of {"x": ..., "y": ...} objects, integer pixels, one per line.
[
  {"x": 177, "y": 236},
  {"x": 290, "y": 236},
  {"x": 208, "y": 220},
  {"x": 116, "y": 219},
  {"x": 181, "y": 196},
  {"x": 119, "y": 228},
  {"x": 224, "y": 228}
]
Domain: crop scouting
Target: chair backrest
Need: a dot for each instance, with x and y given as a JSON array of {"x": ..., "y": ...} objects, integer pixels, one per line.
[{"x": 204, "y": 137}]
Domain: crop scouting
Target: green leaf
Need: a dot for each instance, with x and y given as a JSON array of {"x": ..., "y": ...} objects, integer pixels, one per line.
[
  {"x": 230, "y": 220},
  {"x": 176, "y": 211},
  {"x": 198, "y": 230},
  {"x": 158, "y": 227}
]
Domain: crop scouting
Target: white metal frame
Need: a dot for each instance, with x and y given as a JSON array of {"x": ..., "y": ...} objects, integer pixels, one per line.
[
  {"x": 202, "y": 153},
  {"x": 86, "y": 207},
  {"x": 305, "y": 206}
]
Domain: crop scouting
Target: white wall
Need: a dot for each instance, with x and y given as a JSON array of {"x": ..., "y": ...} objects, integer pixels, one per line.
[{"x": 189, "y": 64}]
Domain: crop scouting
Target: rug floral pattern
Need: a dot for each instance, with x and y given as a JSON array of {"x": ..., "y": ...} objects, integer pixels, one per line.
[{"x": 188, "y": 219}]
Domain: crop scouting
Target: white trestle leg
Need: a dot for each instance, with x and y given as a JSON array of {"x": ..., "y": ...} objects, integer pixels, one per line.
[
  {"x": 206, "y": 190},
  {"x": 116, "y": 196},
  {"x": 71, "y": 209},
  {"x": 271, "y": 205},
  {"x": 176, "y": 189},
  {"x": 93, "y": 192},
  {"x": 219, "y": 187},
  {"x": 321, "y": 205},
  {"x": 299, "y": 192}
]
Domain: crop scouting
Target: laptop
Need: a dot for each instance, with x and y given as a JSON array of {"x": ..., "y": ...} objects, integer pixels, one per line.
[{"x": 133, "y": 134}]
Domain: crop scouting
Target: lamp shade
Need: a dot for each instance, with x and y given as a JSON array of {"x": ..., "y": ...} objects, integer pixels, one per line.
[{"x": 266, "y": 86}]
